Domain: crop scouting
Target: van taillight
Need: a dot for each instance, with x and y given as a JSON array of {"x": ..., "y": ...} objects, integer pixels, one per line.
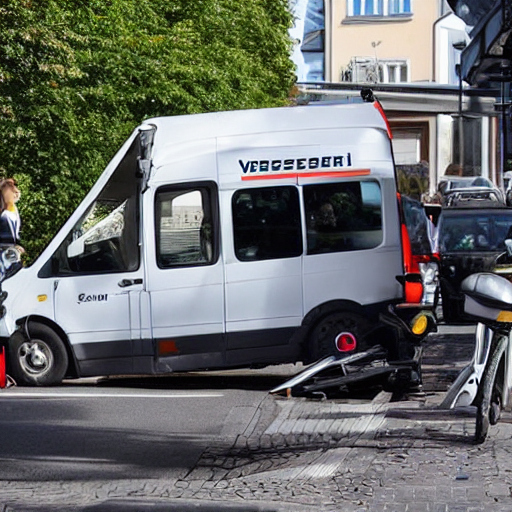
[
  {"x": 413, "y": 288},
  {"x": 378, "y": 106}
]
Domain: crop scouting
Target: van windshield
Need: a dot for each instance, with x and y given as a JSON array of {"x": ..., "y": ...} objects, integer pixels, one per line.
[{"x": 105, "y": 238}]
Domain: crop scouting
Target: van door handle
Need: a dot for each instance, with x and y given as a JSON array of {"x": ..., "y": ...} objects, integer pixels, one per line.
[{"x": 129, "y": 282}]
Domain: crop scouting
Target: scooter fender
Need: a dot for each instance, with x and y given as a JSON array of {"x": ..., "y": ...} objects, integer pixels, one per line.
[{"x": 464, "y": 390}]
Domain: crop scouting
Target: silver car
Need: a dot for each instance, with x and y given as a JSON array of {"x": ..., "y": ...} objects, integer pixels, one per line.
[{"x": 459, "y": 189}]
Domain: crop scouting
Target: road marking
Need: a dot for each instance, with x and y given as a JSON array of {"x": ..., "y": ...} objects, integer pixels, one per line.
[{"x": 53, "y": 394}]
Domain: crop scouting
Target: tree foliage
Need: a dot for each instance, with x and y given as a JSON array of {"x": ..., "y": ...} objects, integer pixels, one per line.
[{"x": 76, "y": 77}]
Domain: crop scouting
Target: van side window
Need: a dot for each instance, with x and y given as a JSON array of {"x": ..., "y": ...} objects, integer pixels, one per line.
[
  {"x": 266, "y": 223},
  {"x": 343, "y": 216},
  {"x": 185, "y": 226}
]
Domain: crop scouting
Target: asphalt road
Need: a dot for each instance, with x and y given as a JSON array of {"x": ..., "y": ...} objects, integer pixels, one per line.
[{"x": 124, "y": 428}]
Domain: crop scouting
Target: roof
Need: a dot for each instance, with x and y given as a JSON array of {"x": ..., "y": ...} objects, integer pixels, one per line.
[
  {"x": 264, "y": 134},
  {"x": 268, "y": 120}
]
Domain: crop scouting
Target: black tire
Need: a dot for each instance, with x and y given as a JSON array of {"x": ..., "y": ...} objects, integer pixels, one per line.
[
  {"x": 323, "y": 336},
  {"x": 41, "y": 360},
  {"x": 488, "y": 398}
]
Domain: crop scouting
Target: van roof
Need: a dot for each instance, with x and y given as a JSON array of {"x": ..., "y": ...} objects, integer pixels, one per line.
[{"x": 267, "y": 120}]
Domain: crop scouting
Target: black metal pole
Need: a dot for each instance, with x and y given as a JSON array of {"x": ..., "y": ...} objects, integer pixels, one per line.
[
  {"x": 461, "y": 121},
  {"x": 503, "y": 140},
  {"x": 460, "y": 45},
  {"x": 504, "y": 110}
]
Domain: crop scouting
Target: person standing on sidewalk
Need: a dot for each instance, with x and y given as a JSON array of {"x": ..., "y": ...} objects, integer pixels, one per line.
[{"x": 9, "y": 216}]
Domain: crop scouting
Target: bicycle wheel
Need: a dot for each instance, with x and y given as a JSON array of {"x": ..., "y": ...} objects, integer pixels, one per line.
[{"x": 488, "y": 398}]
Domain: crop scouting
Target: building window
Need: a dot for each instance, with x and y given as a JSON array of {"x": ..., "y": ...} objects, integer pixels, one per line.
[
  {"x": 365, "y": 7},
  {"x": 393, "y": 72},
  {"x": 378, "y": 7},
  {"x": 399, "y": 7},
  {"x": 370, "y": 70}
]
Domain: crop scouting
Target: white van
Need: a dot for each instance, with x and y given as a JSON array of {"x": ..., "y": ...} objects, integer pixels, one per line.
[{"x": 220, "y": 240}]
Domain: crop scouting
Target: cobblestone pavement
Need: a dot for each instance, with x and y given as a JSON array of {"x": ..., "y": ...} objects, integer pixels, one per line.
[{"x": 334, "y": 455}]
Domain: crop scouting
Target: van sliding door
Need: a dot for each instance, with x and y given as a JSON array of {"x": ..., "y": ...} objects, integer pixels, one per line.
[
  {"x": 263, "y": 272},
  {"x": 186, "y": 278}
]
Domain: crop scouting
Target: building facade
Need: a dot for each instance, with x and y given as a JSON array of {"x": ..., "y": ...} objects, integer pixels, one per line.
[
  {"x": 382, "y": 41},
  {"x": 409, "y": 52}
]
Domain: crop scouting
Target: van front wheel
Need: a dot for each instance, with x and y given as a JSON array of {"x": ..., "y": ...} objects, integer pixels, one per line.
[
  {"x": 41, "y": 360},
  {"x": 325, "y": 337}
]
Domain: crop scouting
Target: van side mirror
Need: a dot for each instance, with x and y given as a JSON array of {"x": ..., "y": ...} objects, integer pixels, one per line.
[{"x": 76, "y": 248}]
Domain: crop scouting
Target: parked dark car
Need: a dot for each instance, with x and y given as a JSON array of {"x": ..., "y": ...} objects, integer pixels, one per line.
[{"x": 470, "y": 239}]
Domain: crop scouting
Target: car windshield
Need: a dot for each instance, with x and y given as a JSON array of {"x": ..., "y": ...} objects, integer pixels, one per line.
[
  {"x": 474, "y": 231},
  {"x": 466, "y": 183}
]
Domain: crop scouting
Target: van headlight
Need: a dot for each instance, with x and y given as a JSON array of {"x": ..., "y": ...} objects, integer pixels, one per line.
[
  {"x": 10, "y": 256},
  {"x": 10, "y": 260}
]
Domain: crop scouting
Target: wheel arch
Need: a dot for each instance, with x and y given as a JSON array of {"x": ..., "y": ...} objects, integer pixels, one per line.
[
  {"x": 24, "y": 324},
  {"x": 319, "y": 313}
]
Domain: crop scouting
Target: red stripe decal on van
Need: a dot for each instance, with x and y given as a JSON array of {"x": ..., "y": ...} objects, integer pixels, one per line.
[{"x": 295, "y": 175}]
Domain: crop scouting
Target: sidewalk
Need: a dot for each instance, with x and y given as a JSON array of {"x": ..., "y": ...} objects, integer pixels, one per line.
[{"x": 376, "y": 456}]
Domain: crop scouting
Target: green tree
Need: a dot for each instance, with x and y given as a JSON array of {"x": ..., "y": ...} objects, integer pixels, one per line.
[{"x": 76, "y": 77}]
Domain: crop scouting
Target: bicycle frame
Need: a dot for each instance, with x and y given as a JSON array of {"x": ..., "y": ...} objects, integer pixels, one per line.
[{"x": 464, "y": 389}]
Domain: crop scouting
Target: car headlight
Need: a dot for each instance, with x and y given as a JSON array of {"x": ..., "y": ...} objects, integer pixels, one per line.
[{"x": 429, "y": 273}]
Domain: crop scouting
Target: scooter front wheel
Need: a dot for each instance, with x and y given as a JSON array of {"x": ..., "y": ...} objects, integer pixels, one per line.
[{"x": 488, "y": 399}]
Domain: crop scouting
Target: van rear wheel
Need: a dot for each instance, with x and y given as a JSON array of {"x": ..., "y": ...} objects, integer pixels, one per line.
[
  {"x": 41, "y": 360},
  {"x": 325, "y": 338}
]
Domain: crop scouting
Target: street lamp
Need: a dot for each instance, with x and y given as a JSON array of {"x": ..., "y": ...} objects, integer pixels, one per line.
[{"x": 459, "y": 46}]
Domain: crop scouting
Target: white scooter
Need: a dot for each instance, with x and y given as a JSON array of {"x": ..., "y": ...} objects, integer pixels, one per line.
[{"x": 487, "y": 381}]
